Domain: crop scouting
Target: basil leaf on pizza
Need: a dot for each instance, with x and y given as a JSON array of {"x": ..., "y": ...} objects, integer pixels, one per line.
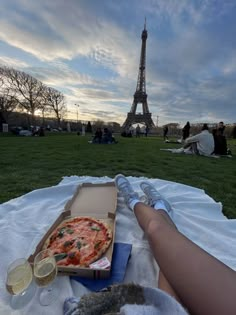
[{"x": 60, "y": 256}]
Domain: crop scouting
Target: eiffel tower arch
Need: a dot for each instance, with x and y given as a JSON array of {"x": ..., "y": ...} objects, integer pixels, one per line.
[{"x": 140, "y": 95}]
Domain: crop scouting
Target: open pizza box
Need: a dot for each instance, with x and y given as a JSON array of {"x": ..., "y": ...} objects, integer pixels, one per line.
[{"x": 94, "y": 200}]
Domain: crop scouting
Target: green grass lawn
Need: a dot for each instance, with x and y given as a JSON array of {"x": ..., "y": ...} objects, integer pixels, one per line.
[{"x": 29, "y": 163}]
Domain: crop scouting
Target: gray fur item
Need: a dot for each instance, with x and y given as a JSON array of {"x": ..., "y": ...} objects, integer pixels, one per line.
[{"x": 125, "y": 299}]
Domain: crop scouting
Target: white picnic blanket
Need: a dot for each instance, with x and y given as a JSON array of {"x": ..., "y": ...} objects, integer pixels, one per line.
[{"x": 24, "y": 220}]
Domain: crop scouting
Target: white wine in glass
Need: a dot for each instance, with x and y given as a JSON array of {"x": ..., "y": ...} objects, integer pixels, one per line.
[
  {"x": 19, "y": 278},
  {"x": 45, "y": 271}
]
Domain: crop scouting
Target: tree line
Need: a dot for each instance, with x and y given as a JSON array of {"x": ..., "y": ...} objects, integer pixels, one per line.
[{"x": 20, "y": 91}]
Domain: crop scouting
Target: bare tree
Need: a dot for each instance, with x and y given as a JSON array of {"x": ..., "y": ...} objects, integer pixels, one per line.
[
  {"x": 55, "y": 100},
  {"x": 25, "y": 89},
  {"x": 31, "y": 94},
  {"x": 44, "y": 106},
  {"x": 7, "y": 105},
  {"x": 7, "y": 102}
]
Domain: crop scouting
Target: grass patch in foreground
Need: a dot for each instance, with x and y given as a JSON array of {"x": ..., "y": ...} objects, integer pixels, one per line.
[{"x": 29, "y": 163}]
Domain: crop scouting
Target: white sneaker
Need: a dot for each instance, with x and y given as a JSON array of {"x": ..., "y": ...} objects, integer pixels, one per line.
[
  {"x": 153, "y": 195},
  {"x": 124, "y": 187}
]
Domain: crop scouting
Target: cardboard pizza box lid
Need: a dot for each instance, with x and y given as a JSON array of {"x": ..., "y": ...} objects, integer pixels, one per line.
[{"x": 94, "y": 200}]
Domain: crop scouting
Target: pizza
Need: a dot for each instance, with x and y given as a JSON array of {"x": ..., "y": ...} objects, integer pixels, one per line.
[{"x": 79, "y": 241}]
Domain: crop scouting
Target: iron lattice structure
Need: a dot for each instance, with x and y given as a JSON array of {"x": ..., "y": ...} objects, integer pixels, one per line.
[{"x": 140, "y": 95}]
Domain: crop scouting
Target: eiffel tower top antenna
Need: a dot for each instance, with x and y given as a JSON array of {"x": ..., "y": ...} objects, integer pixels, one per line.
[{"x": 145, "y": 23}]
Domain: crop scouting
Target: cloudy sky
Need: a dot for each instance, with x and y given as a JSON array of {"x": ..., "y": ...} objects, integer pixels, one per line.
[{"x": 90, "y": 51}]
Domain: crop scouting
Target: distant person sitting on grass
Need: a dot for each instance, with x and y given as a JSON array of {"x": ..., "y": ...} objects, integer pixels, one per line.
[
  {"x": 98, "y": 136},
  {"x": 200, "y": 144},
  {"x": 104, "y": 137},
  {"x": 221, "y": 147},
  {"x": 107, "y": 137},
  {"x": 220, "y": 142}
]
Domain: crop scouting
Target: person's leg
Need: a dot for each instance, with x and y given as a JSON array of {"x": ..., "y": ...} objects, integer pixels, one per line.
[
  {"x": 131, "y": 199},
  {"x": 203, "y": 284},
  {"x": 191, "y": 148},
  {"x": 164, "y": 285},
  {"x": 187, "y": 145}
]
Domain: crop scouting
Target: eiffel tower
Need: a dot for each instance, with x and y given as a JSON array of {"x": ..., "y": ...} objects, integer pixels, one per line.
[{"x": 140, "y": 96}]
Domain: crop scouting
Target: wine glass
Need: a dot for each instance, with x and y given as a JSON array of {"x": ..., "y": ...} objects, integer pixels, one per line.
[
  {"x": 45, "y": 271},
  {"x": 19, "y": 283}
]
